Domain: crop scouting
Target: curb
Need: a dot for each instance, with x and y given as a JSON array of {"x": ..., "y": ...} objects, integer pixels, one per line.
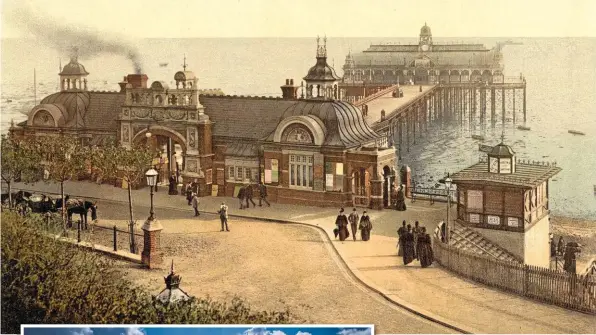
[{"x": 404, "y": 305}]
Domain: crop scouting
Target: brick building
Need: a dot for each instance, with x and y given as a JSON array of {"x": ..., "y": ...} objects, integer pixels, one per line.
[{"x": 315, "y": 149}]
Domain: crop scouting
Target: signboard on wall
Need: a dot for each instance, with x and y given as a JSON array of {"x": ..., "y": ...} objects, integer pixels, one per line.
[
  {"x": 513, "y": 222},
  {"x": 220, "y": 176},
  {"x": 493, "y": 220},
  {"x": 475, "y": 199},
  {"x": 474, "y": 218},
  {"x": 267, "y": 176},
  {"x": 505, "y": 165},
  {"x": 214, "y": 190}
]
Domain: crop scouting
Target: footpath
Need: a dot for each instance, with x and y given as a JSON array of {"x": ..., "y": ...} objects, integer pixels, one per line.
[{"x": 433, "y": 293}]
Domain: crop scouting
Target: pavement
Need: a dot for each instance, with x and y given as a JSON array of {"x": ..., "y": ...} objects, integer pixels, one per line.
[{"x": 433, "y": 293}]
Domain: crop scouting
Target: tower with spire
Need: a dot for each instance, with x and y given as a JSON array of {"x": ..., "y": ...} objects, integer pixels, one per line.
[{"x": 321, "y": 80}]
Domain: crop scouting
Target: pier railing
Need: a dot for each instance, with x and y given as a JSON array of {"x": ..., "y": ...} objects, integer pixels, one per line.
[
  {"x": 568, "y": 290},
  {"x": 376, "y": 95}
]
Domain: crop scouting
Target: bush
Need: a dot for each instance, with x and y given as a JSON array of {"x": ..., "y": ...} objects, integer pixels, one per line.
[{"x": 52, "y": 282}]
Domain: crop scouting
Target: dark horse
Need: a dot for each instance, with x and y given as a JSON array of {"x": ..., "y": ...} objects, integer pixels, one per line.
[
  {"x": 17, "y": 197},
  {"x": 78, "y": 206}
]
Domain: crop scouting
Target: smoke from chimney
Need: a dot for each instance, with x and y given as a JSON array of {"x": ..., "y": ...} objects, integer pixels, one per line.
[{"x": 67, "y": 38}]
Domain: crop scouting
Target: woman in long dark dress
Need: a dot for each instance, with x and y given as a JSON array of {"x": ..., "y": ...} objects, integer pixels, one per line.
[
  {"x": 401, "y": 200},
  {"x": 365, "y": 226},
  {"x": 425, "y": 249},
  {"x": 408, "y": 246},
  {"x": 400, "y": 238},
  {"x": 342, "y": 225}
]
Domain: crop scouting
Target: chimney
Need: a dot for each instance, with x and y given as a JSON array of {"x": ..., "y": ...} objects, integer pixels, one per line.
[
  {"x": 289, "y": 91},
  {"x": 123, "y": 85},
  {"x": 137, "y": 80}
]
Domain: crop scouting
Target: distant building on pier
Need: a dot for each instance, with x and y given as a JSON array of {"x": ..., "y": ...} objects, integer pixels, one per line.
[{"x": 384, "y": 65}]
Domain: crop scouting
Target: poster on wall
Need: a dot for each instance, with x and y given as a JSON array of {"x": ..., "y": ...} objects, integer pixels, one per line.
[
  {"x": 214, "y": 190},
  {"x": 267, "y": 176},
  {"x": 475, "y": 200},
  {"x": 513, "y": 222},
  {"x": 493, "y": 220},
  {"x": 274, "y": 171},
  {"x": 475, "y": 218},
  {"x": 329, "y": 181}
]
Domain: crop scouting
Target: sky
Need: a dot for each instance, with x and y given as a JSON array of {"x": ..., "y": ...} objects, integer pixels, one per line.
[
  {"x": 198, "y": 331},
  {"x": 307, "y": 18}
]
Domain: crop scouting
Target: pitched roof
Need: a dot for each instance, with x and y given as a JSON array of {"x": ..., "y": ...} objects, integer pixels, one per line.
[
  {"x": 448, "y": 57},
  {"x": 103, "y": 111},
  {"x": 242, "y": 149},
  {"x": 526, "y": 175}
]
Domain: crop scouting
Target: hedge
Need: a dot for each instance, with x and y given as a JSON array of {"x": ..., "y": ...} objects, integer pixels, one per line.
[{"x": 52, "y": 282}]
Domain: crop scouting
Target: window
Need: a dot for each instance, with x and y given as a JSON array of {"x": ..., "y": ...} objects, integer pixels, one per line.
[
  {"x": 301, "y": 171},
  {"x": 475, "y": 200},
  {"x": 242, "y": 174}
]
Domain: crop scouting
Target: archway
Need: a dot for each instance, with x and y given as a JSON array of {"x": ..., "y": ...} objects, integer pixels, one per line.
[
  {"x": 169, "y": 149},
  {"x": 361, "y": 188}
]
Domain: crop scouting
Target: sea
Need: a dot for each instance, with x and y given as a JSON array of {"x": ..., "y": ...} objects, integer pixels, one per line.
[{"x": 561, "y": 95}]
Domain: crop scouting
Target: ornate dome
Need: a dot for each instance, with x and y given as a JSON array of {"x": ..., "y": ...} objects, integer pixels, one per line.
[
  {"x": 74, "y": 68},
  {"x": 73, "y": 105},
  {"x": 425, "y": 30},
  {"x": 321, "y": 72}
]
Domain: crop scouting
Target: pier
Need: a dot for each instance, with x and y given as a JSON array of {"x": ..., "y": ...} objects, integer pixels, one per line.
[{"x": 405, "y": 119}]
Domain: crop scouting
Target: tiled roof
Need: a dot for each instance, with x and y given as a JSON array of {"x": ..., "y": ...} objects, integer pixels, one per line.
[
  {"x": 242, "y": 149},
  {"x": 435, "y": 47},
  {"x": 103, "y": 110},
  {"x": 466, "y": 239},
  {"x": 526, "y": 175}
]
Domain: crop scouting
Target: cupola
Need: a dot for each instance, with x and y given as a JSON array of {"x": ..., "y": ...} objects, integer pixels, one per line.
[{"x": 501, "y": 159}]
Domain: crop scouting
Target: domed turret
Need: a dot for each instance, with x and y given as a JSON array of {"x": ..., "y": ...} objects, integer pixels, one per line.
[
  {"x": 425, "y": 30},
  {"x": 185, "y": 79},
  {"x": 321, "y": 80},
  {"x": 72, "y": 76},
  {"x": 501, "y": 159}
]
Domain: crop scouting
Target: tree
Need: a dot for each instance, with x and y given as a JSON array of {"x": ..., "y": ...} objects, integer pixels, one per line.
[
  {"x": 20, "y": 160},
  {"x": 62, "y": 158},
  {"x": 127, "y": 165}
]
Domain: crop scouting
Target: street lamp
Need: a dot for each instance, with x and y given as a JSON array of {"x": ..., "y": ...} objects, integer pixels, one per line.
[
  {"x": 448, "y": 187},
  {"x": 151, "y": 175}
]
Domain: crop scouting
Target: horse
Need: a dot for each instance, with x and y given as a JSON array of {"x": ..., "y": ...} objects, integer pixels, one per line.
[
  {"x": 41, "y": 203},
  {"x": 17, "y": 197},
  {"x": 82, "y": 209}
]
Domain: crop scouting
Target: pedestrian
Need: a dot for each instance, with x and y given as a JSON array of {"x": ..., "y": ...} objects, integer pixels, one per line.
[
  {"x": 342, "y": 225},
  {"x": 416, "y": 232},
  {"x": 400, "y": 203},
  {"x": 172, "y": 188},
  {"x": 189, "y": 192},
  {"x": 401, "y": 233},
  {"x": 241, "y": 197},
  {"x": 553, "y": 246},
  {"x": 408, "y": 255},
  {"x": 365, "y": 226},
  {"x": 570, "y": 257},
  {"x": 223, "y": 216},
  {"x": 560, "y": 246},
  {"x": 353, "y": 219},
  {"x": 263, "y": 194},
  {"x": 248, "y": 195},
  {"x": 195, "y": 203},
  {"x": 425, "y": 250}
]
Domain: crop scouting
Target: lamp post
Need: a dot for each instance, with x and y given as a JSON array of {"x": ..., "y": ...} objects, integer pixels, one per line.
[
  {"x": 448, "y": 181},
  {"x": 151, "y": 175}
]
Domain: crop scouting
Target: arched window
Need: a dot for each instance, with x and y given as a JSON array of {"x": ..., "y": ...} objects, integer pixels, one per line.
[{"x": 159, "y": 99}]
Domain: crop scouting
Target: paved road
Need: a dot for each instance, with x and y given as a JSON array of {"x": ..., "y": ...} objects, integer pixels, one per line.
[{"x": 264, "y": 262}]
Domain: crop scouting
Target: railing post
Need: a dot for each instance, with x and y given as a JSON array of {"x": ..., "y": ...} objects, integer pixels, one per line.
[
  {"x": 79, "y": 231},
  {"x": 526, "y": 279},
  {"x": 115, "y": 241}
]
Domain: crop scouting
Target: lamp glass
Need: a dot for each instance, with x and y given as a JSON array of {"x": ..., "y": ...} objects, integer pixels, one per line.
[
  {"x": 148, "y": 134},
  {"x": 448, "y": 183},
  {"x": 151, "y": 175}
]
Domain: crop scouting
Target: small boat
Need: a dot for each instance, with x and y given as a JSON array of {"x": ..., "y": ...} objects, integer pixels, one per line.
[
  {"x": 523, "y": 128},
  {"x": 575, "y": 132},
  {"x": 105, "y": 82},
  {"x": 8, "y": 100},
  {"x": 478, "y": 137},
  {"x": 163, "y": 64}
]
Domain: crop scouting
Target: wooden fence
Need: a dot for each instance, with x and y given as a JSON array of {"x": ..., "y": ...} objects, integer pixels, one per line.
[{"x": 573, "y": 291}]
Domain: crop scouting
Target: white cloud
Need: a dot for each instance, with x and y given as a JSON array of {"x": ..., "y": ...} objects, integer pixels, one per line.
[
  {"x": 303, "y": 333},
  {"x": 261, "y": 331},
  {"x": 354, "y": 332},
  {"x": 131, "y": 331},
  {"x": 83, "y": 331}
]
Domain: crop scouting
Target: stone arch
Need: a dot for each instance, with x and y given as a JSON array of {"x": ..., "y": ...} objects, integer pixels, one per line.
[
  {"x": 55, "y": 116},
  {"x": 314, "y": 124},
  {"x": 475, "y": 76},
  {"x": 465, "y": 76},
  {"x": 487, "y": 76},
  {"x": 163, "y": 131},
  {"x": 454, "y": 76},
  {"x": 159, "y": 99}
]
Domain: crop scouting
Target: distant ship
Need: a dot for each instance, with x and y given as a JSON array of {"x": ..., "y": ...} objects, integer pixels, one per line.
[
  {"x": 478, "y": 137},
  {"x": 523, "y": 128},
  {"x": 510, "y": 42},
  {"x": 575, "y": 132},
  {"x": 163, "y": 64},
  {"x": 8, "y": 100}
]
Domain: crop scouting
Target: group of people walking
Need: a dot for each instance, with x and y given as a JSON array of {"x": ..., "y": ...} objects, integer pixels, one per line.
[
  {"x": 414, "y": 243},
  {"x": 356, "y": 223},
  {"x": 245, "y": 194}
]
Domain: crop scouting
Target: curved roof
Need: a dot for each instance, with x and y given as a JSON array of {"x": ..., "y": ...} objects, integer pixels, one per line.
[
  {"x": 321, "y": 71},
  {"x": 74, "y": 68},
  {"x": 425, "y": 30},
  {"x": 184, "y": 75},
  {"x": 75, "y": 105},
  {"x": 159, "y": 85},
  {"x": 501, "y": 150},
  {"x": 344, "y": 122}
]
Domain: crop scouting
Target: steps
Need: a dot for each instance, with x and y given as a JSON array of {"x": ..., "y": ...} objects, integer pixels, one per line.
[{"x": 469, "y": 240}]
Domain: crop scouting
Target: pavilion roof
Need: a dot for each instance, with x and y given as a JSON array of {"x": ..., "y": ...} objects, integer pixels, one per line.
[{"x": 526, "y": 174}]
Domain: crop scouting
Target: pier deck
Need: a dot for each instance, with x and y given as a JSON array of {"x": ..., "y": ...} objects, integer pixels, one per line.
[{"x": 390, "y": 104}]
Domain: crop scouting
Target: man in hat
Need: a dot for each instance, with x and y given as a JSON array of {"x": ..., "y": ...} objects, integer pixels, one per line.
[
  {"x": 248, "y": 195},
  {"x": 263, "y": 194},
  {"x": 353, "y": 219},
  {"x": 223, "y": 216},
  {"x": 342, "y": 225}
]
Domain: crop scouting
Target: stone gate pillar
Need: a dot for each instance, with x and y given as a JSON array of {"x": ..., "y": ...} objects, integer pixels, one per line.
[
  {"x": 376, "y": 197},
  {"x": 152, "y": 254}
]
